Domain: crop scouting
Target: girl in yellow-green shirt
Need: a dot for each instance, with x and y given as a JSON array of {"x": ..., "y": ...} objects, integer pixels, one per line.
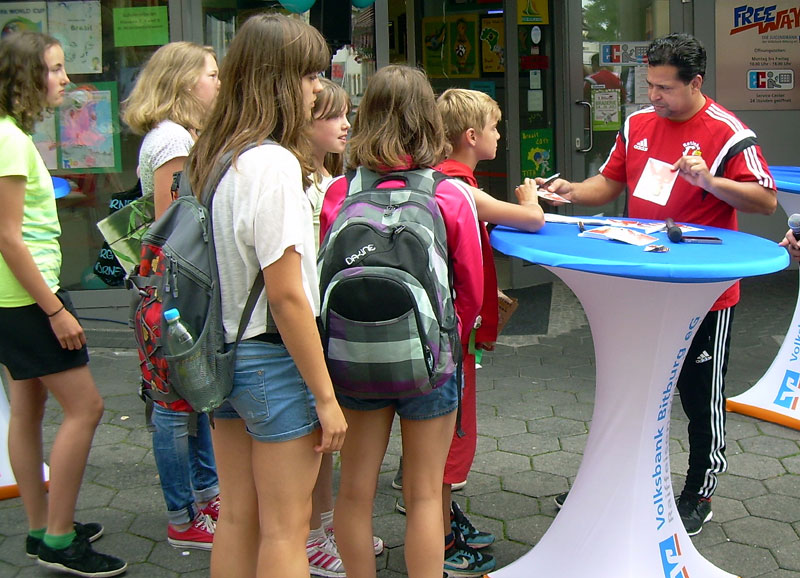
[{"x": 42, "y": 344}]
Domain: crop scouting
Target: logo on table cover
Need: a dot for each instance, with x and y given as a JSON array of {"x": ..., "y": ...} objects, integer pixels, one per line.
[
  {"x": 789, "y": 392},
  {"x": 671, "y": 558}
]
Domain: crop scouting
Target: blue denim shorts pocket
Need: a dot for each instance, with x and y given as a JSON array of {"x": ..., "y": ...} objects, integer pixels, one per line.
[{"x": 269, "y": 394}]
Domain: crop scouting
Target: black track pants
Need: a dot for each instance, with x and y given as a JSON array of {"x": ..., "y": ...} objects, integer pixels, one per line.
[{"x": 702, "y": 392}]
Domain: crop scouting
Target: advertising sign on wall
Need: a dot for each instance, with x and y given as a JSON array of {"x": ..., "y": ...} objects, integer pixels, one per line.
[{"x": 758, "y": 54}]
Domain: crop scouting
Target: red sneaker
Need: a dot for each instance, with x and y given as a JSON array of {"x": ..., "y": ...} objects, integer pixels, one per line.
[
  {"x": 199, "y": 535},
  {"x": 212, "y": 509}
]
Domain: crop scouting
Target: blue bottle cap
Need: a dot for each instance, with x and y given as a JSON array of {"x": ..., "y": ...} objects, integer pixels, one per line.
[{"x": 171, "y": 314}]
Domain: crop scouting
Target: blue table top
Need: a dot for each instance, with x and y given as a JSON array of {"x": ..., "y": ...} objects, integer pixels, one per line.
[
  {"x": 787, "y": 178},
  {"x": 61, "y": 187},
  {"x": 558, "y": 245}
]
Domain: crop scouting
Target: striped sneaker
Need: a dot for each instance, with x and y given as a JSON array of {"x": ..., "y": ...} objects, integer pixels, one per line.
[
  {"x": 472, "y": 536},
  {"x": 461, "y": 561},
  {"x": 324, "y": 559},
  {"x": 377, "y": 543}
]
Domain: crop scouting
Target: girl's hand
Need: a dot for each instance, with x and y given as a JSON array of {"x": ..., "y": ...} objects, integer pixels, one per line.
[
  {"x": 67, "y": 329},
  {"x": 333, "y": 424}
]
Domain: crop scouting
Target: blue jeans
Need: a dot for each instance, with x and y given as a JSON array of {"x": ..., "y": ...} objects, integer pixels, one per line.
[{"x": 185, "y": 463}]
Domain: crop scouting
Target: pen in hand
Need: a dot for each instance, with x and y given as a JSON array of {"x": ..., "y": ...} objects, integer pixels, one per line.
[{"x": 548, "y": 180}]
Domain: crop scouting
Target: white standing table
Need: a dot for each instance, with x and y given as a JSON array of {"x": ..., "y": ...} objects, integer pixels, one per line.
[
  {"x": 620, "y": 519},
  {"x": 776, "y": 396}
]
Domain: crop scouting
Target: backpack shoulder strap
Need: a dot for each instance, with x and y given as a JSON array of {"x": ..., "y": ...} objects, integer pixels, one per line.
[{"x": 207, "y": 196}]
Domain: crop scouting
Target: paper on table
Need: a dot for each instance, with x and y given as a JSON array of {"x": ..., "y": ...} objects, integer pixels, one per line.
[
  {"x": 556, "y": 218},
  {"x": 619, "y": 234}
]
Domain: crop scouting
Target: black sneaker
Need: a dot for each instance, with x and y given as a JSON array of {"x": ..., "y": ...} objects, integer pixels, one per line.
[
  {"x": 91, "y": 531},
  {"x": 694, "y": 511},
  {"x": 560, "y": 499},
  {"x": 472, "y": 536},
  {"x": 79, "y": 559},
  {"x": 461, "y": 561},
  {"x": 397, "y": 482}
]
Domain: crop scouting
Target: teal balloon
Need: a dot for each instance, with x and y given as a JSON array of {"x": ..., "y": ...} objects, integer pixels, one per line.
[
  {"x": 362, "y": 3},
  {"x": 297, "y": 6}
]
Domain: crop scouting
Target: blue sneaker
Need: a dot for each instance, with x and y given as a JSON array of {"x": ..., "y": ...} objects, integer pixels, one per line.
[
  {"x": 462, "y": 561},
  {"x": 472, "y": 536}
]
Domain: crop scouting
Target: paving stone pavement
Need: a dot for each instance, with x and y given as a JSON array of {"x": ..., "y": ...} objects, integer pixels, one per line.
[{"x": 535, "y": 400}]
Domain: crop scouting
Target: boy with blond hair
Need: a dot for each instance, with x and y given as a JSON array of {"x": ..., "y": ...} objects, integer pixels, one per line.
[{"x": 470, "y": 120}]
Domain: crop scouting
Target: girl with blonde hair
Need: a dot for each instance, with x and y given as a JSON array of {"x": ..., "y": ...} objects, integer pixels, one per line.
[
  {"x": 169, "y": 104},
  {"x": 281, "y": 414},
  {"x": 42, "y": 344}
]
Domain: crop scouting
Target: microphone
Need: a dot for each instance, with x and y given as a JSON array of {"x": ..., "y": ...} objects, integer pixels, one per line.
[
  {"x": 794, "y": 225},
  {"x": 675, "y": 234}
]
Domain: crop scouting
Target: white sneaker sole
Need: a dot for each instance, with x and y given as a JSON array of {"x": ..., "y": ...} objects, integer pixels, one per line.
[
  {"x": 186, "y": 544},
  {"x": 68, "y": 570},
  {"x": 710, "y": 515}
]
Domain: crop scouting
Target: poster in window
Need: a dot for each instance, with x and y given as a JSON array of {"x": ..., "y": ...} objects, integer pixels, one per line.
[
  {"x": 45, "y": 139},
  {"x": 434, "y": 57},
  {"x": 532, "y": 12},
  {"x": 88, "y": 129},
  {"x": 493, "y": 57},
  {"x": 463, "y": 46},
  {"x": 758, "y": 55},
  {"x": 450, "y": 46},
  {"x": 606, "y": 103},
  {"x": 77, "y": 26},
  {"x": 22, "y": 16},
  {"x": 536, "y": 151}
]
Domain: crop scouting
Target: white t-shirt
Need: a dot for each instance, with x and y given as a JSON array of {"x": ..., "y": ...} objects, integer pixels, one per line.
[
  {"x": 165, "y": 142},
  {"x": 259, "y": 210},
  {"x": 316, "y": 195}
]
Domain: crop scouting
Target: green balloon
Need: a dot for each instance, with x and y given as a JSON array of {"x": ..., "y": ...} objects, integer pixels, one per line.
[{"x": 297, "y": 6}]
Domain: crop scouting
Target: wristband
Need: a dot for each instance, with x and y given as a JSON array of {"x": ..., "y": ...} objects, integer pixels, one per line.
[{"x": 56, "y": 312}]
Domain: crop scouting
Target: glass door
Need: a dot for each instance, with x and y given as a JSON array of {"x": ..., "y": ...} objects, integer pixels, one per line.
[{"x": 607, "y": 77}]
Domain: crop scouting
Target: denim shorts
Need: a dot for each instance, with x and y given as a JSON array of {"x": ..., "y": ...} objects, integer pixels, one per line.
[
  {"x": 269, "y": 394},
  {"x": 436, "y": 403}
]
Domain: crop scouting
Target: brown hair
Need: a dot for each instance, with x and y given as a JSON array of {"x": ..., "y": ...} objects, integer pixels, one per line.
[
  {"x": 163, "y": 89},
  {"x": 23, "y": 77},
  {"x": 397, "y": 122},
  {"x": 260, "y": 97},
  {"x": 332, "y": 102}
]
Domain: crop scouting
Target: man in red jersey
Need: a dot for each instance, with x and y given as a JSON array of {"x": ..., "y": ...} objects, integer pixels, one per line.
[{"x": 688, "y": 158}]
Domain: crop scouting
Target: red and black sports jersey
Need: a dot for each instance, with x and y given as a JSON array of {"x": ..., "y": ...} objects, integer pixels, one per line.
[{"x": 728, "y": 147}]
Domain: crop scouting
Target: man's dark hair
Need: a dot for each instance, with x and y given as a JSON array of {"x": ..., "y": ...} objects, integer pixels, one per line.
[{"x": 683, "y": 51}]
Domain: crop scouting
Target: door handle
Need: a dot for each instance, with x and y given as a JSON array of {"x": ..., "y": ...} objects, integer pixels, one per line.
[{"x": 587, "y": 130}]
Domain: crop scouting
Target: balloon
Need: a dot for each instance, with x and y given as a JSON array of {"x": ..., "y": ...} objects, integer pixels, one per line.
[
  {"x": 297, "y": 6},
  {"x": 362, "y": 3}
]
